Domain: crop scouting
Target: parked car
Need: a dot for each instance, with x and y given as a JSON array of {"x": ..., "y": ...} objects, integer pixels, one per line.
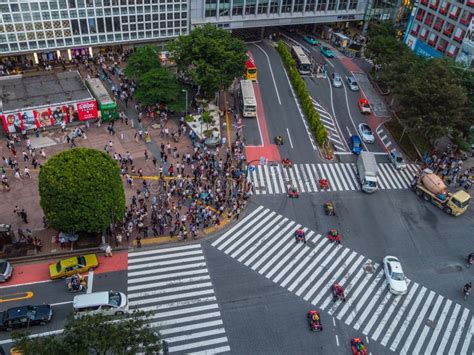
[
  {"x": 25, "y": 316},
  {"x": 104, "y": 302},
  {"x": 364, "y": 106},
  {"x": 325, "y": 51},
  {"x": 352, "y": 83},
  {"x": 356, "y": 144},
  {"x": 74, "y": 265},
  {"x": 336, "y": 80},
  {"x": 366, "y": 133},
  {"x": 396, "y": 280},
  {"x": 6, "y": 270},
  {"x": 396, "y": 158},
  {"x": 311, "y": 40}
]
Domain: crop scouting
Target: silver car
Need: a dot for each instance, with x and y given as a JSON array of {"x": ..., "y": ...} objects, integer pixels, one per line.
[
  {"x": 352, "y": 83},
  {"x": 396, "y": 158},
  {"x": 336, "y": 80},
  {"x": 6, "y": 270}
]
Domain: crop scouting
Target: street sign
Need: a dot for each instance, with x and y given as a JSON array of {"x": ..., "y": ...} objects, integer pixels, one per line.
[{"x": 251, "y": 168}]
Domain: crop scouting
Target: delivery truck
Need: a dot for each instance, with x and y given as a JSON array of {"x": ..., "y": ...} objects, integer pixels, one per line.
[{"x": 367, "y": 170}]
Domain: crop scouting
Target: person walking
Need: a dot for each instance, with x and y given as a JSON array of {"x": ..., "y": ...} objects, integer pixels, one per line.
[
  {"x": 24, "y": 216},
  {"x": 108, "y": 251}
]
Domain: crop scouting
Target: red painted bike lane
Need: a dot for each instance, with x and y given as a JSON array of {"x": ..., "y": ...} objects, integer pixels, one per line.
[{"x": 39, "y": 272}]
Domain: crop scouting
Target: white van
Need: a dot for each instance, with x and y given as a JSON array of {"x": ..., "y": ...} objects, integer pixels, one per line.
[{"x": 107, "y": 303}]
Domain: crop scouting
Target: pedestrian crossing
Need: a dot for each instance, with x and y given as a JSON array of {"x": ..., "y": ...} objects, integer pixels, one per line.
[
  {"x": 334, "y": 134},
  {"x": 274, "y": 179},
  {"x": 420, "y": 322},
  {"x": 174, "y": 285}
]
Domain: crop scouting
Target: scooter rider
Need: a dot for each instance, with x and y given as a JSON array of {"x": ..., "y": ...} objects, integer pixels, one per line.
[
  {"x": 467, "y": 288},
  {"x": 300, "y": 235},
  {"x": 470, "y": 259}
]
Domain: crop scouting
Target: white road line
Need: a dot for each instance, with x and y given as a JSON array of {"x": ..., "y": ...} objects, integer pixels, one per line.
[
  {"x": 273, "y": 175},
  {"x": 159, "y": 307},
  {"x": 368, "y": 308},
  {"x": 170, "y": 282},
  {"x": 164, "y": 271},
  {"x": 348, "y": 290},
  {"x": 165, "y": 256},
  {"x": 262, "y": 182},
  {"x": 164, "y": 263},
  {"x": 164, "y": 291},
  {"x": 221, "y": 349},
  {"x": 188, "y": 311},
  {"x": 199, "y": 344},
  {"x": 337, "y": 169},
  {"x": 138, "y": 254},
  {"x": 90, "y": 281},
  {"x": 377, "y": 313},
  {"x": 187, "y": 319},
  {"x": 311, "y": 178},
  {"x": 60, "y": 303},
  {"x": 289, "y": 137},
  {"x": 448, "y": 330},
  {"x": 185, "y": 328},
  {"x": 457, "y": 335},
  {"x": 271, "y": 72},
  {"x": 426, "y": 329},
  {"x": 337, "y": 340},
  {"x": 467, "y": 339},
  {"x": 268, "y": 179},
  {"x": 439, "y": 325},
  {"x": 171, "y": 297}
]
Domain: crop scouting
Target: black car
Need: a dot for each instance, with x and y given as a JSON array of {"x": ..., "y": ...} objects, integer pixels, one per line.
[{"x": 25, "y": 316}]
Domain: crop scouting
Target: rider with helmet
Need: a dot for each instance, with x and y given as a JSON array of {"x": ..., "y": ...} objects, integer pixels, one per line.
[
  {"x": 467, "y": 288},
  {"x": 470, "y": 259},
  {"x": 300, "y": 235},
  {"x": 338, "y": 291}
]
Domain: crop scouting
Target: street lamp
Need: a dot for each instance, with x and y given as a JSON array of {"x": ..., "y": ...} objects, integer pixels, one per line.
[{"x": 186, "y": 91}]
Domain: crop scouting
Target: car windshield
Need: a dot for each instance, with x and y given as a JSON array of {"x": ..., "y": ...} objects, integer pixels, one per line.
[
  {"x": 459, "y": 203},
  {"x": 81, "y": 260},
  {"x": 371, "y": 183},
  {"x": 399, "y": 160},
  {"x": 114, "y": 298},
  {"x": 398, "y": 276}
]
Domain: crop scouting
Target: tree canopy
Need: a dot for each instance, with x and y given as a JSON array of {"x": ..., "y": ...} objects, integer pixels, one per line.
[
  {"x": 144, "y": 59},
  {"x": 210, "y": 57},
  {"x": 432, "y": 96},
  {"x": 94, "y": 334},
  {"x": 81, "y": 190}
]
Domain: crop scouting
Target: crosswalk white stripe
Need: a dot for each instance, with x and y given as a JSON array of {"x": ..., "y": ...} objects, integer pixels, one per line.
[
  {"x": 264, "y": 247},
  {"x": 337, "y": 171},
  {"x": 397, "y": 175},
  {"x": 306, "y": 178},
  {"x": 199, "y": 344},
  {"x": 359, "y": 305},
  {"x": 283, "y": 239},
  {"x": 167, "y": 276},
  {"x": 164, "y": 291},
  {"x": 348, "y": 289},
  {"x": 342, "y": 282},
  {"x": 289, "y": 243},
  {"x": 188, "y": 319},
  {"x": 412, "y": 168},
  {"x": 295, "y": 259},
  {"x": 300, "y": 181},
  {"x": 407, "y": 321},
  {"x": 459, "y": 330},
  {"x": 322, "y": 174},
  {"x": 249, "y": 233},
  {"x": 255, "y": 237},
  {"x": 262, "y": 183},
  {"x": 420, "y": 317},
  {"x": 448, "y": 330},
  {"x": 347, "y": 177},
  {"x": 136, "y": 254},
  {"x": 467, "y": 339},
  {"x": 332, "y": 279},
  {"x": 311, "y": 178},
  {"x": 439, "y": 325},
  {"x": 268, "y": 179},
  {"x": 390, "y": 176},
  {"x": 333, "y": 179},
  {"x": 274, "y": 173},
  {"x": 382, "y": 184},
  {"x": 307, "y": 270},
  {"x": 259, "y": 243},
  {"x": 406, "y": 176},
  {"x": 184, "y": 328},
  {"x": 426, "y": 329},
  {"x": 238, "y": 226},
  {"x": 159, "y": 307},
  {"x": 390, "y": 169},
  {"x": 241, "y": 227},
  {"x": 221, "y": 349},
  {"x": 386, "y": 317},
  {"x": 188, "y": 310},
  {"x": 353, "y": 296},
  {"x": 279, "y": 185},
  {"x": 164, "y": 263},
  {"x": 316, "y": 176},
  {"x": 171, "y": 297},
  {"x": 169, "y": 282},
  {"x": 368, "y": 308},
  {"x": 303, "y": 262},
  {"x": 293, "y": 181},
  {"x": 315, "y": 273},
  {"x": 254, "y": 179},
  {"x": 377, "y": 313},
  {"x": 409, "y": 173},
  {"x": 165, "y": 256},
  {"x": 352, "y": 172},
  {"x": 385, "y": 180}
]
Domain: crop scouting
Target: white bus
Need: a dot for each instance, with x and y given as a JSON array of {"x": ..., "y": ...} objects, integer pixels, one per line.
[
  {"x": 247, "y": 98},
  {"x": 302, "y": 60}
]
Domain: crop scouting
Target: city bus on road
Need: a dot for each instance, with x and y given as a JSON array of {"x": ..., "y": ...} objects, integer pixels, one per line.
[
  {"x": 107, "y": 106},
  {"x": 247, "y": 99},
  {"x": 302, "y": 61},
  {"x": 250, "y": 70}
]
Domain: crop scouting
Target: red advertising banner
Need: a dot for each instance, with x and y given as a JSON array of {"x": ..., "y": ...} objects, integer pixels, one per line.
[
  {"x": 28, "y": 119},
  {"x": 11, "y": 123},
  {"x": 87, "y": 110},
  {"x": 43, "y": 118},
  {"x": 59, "y": 115}
]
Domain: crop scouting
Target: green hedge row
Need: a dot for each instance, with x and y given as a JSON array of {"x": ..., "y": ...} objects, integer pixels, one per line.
[{"x": 304, "y": 98}]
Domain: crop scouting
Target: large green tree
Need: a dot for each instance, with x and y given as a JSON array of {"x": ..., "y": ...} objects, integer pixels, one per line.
[
  {"x": 94, "y": 334},
  {"x": 160, "y": 85},
  {"x": 81, "y": 190},
  {"x": 210, "y": 57},
  {"x": 144, "y": 59}
]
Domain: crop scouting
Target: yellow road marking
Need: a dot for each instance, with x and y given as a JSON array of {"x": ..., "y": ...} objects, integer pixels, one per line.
[{"x": 16, "y": 296}]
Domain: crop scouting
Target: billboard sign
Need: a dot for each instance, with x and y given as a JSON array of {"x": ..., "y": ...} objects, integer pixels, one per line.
[
  {"x": 424, "y": 50},
  {"x": 87, "y": 110}
]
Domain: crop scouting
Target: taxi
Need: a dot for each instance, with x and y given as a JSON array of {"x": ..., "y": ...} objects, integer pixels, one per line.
[
  {"x": 364, "y": 106},
  {"x": 74, "y": 265}
]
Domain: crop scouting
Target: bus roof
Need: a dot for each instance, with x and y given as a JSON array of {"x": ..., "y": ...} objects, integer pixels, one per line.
[
  {"x": 99, "y": 91},
  {"x": 248, "y": 95},
  {"x": 303, "y": 58}
]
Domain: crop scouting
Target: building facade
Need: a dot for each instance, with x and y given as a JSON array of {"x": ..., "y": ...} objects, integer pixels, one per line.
[{"x": 442, "y": 28}]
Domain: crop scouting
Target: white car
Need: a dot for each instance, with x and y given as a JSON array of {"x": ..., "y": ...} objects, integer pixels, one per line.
[
  {"x": 396, "y": 280},
  {"x": 366, "y": 133},
  {"x": 352, "y": 83},
  {"x": 396, "y": 158},
  {"x": 336, "y": 80}
]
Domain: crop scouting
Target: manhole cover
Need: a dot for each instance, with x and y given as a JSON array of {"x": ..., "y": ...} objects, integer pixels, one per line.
[{"x": 368, "y": 268}]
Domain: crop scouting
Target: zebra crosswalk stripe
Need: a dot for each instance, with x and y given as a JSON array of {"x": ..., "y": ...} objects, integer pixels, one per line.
[
  {"x": 265, "y": 243},
  {"x": 170, "y": 283}
]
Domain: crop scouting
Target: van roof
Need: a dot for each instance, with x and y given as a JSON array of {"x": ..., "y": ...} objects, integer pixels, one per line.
[{"x": 91, "y": 299}]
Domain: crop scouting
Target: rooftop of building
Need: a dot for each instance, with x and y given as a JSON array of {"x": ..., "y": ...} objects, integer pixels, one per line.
[{"x": 24, "y": 92}]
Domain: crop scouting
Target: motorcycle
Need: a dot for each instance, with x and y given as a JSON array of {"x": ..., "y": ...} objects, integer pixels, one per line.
[
  {"x": 314, "y": 321},
  {"x": 78, "y": 285}
]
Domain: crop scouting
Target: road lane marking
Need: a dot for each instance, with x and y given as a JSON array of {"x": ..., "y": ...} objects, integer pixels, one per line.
[
  {"x": 90, "y": 281},
  {"x": 271, "y": 72},
  {"x": 289, "y": 137},
  {"x": 60, "y": 303},
  {"x": 27, "y": 283},
  {"x": 16, "y": 296}
]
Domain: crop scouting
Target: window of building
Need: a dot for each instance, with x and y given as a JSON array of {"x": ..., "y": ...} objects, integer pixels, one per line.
[
  {"x": 459, "y": 34},
  {"x": 34, "y": 6},
  {"x": 100, "y": 25},
  {"x": 133, "y": 27},
  {"x": 4, "y": 8},
  {"x": 423, "y": 33},
  {"x": 238, "y": 7},
  {"x": 44, "y": 6},
  {"x": 274, "y": 6},
  {"x": 211, "y": 8},
  {"x": 140, "y": 27},
  {"x": 321, "y": 5},
  {"x": 331, "y": 5},
  {"x": 342, "y": 4},
  {"x": 17, "y": 17},
  {"x": 466, "y": 17},
  {"x": 286, "y": 6},
  {"x": 262, "y": 7},
  {"x": 148, "y": 26},
  {"x": 23, "y": 46},
  {"x": 4, "y": 48},
  {"x": 108, "y": 24},
  {"x": 8, "y": 18},
  {"x": 27, "y": 16},
  {"x": 299, "y": 4},
  {"x": 14, "y": 7},
  {"x": 83, "y": 24},
  {"x": 92, "y": 25},
  {"x": 75, "y": 27},
  {"x": 310, "y": 5},
  {"x": 352, "y": 4},
  {"x": 250, "y": 7}
]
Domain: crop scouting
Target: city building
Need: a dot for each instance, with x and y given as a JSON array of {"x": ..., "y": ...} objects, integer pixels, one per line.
[
  {"x": 42, "y": 31},
  {"x": 442, "y": 28}
]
